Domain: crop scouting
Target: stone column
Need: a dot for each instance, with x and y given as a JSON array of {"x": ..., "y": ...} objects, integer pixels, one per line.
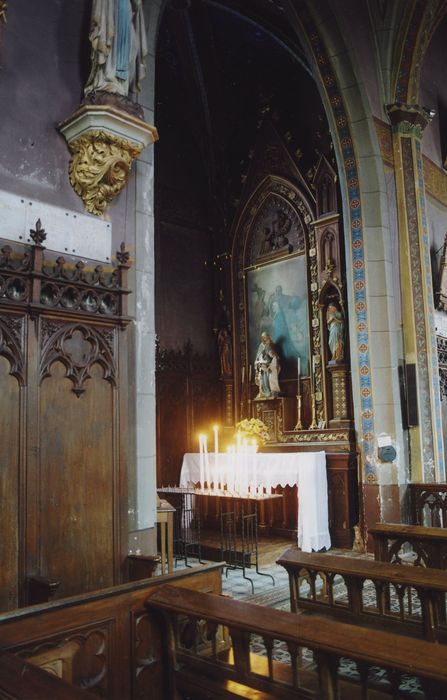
[{"x": 419, "y": 339}]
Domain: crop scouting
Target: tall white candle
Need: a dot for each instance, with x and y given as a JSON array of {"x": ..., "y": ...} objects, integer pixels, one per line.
[
  {"x": 254, "y": 470},
  {"x": 207, "y": 462},
  {"x": 243, "y": 375},
  {"x": 249, "y": 373},
  {"x": 244, "y": 470},
  {"x": 299, "y": 375},
  {"x": 201, "y": 462},
  {"x": 217, "y": 478}
]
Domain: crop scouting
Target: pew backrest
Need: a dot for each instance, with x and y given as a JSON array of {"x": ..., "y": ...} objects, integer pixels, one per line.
[
  {"x": 394, "y": 542},
  {"x": 328, "y": 642},
  {"x": 429, "y": 504},
  {"x": 404, "y": 599}
]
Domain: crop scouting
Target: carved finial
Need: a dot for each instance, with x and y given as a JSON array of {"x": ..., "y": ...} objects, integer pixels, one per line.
[
  {"x": 38, "y": 234},
  {"x": 123, "y": 255}
]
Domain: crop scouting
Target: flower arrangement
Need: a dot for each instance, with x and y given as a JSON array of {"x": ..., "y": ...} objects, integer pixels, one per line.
[{"x": 253, "y": 428}]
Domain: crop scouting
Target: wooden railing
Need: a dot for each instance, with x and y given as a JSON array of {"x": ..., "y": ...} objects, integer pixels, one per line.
[
  {"x": 410, "y": 544},
  {"x": 326, "y": 659},
  {"x": 403, "y": 599},
  {"x": 119, "y": 653},
  {"x": 429, "y": 504}
]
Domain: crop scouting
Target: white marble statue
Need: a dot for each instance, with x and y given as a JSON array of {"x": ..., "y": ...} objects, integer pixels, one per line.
[{"x": 119, "y": 47}]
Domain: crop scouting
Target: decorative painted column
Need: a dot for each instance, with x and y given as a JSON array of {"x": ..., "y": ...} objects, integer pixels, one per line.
[{"x": 420, "y": 349}]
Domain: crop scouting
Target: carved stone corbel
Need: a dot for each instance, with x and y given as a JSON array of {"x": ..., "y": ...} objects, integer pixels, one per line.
[{"x": 104, "y": 142}]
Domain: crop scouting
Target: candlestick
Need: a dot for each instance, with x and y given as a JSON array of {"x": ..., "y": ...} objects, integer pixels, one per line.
[
  {"x": 201, "y": 462},
  {"x": 313, "y": 425},
  {"x": 299, "y": 425}
]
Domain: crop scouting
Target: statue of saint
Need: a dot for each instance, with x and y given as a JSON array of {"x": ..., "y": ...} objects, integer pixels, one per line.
[
  {"x": 225, "y": 352},
  {"x": 336, "y": 327},
  {"x": 119, "y": 47},
  {"x": 267, "y": 368}
]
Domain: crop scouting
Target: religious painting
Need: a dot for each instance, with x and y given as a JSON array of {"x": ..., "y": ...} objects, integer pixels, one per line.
[{"x": 278, "y": 304}]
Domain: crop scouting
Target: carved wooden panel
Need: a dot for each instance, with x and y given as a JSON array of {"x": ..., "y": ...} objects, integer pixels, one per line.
[
  {"x": 62, "y": 470},
  {"x": 119, "y": 656},
  {"x": 12, "y": 378},
  {"x": 9, "y": 485},
  {"x": 76, "y": 481},
  {"x": 147, "y": 671}
]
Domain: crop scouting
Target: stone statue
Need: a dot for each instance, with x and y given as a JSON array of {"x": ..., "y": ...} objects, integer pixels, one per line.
[
  {"x": 267, "y": 368},
  {"x": 336, "y": 327},
  {"x": 118, "y": 47},
  {"x": 225, "y": 352}
]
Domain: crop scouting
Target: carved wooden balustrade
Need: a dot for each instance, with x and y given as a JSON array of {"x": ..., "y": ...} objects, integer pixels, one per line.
[
  {"x": 429, "y": 504},
  {"x": 410, "y": 544},
  {"x": 318, "y": 652},
  {"x": 29, "y": 276},
  {"x": 403, "y": 599}
]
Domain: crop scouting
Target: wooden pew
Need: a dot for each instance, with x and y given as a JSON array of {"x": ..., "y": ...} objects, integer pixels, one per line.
[
  {"x": 429, "y": 544},
  {"x": 395, "y": 588},
  {"x": 197, "y": 668},
  {"x": 120, "y": 653},
  {"x": 429, "y": 504},
  {"x": 20, "y": 680}
]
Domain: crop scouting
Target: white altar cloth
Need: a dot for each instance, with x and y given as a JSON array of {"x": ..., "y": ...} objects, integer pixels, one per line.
[{"x": 305, "y": 469}]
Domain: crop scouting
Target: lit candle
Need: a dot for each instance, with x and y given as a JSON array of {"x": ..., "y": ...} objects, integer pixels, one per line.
[
  {"x": 216, "y": 457},
  {"x": 231, "y": 470},
  {"x": 244, "y": 470},
  {"x": 299, "y": 375},
  {"x": 201, "y": 462},
  {"x": 207, "y": 463},
  {"x": 254, "y": 471}
]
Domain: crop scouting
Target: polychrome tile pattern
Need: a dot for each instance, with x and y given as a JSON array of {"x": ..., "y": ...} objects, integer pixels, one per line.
[
  {"x": 357, "y": 246},
  {"x": 433, "y": 356}
]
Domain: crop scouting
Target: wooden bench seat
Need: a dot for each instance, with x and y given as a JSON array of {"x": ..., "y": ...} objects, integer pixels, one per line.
[
  {"x": 429, "y": 544},
  {"x": 404, "y": 599},
  {"x": 329, "y": 643}
]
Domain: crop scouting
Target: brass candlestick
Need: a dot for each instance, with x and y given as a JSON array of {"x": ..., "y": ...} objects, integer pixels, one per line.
[
  {"x": 299, "y": 425},
  {"x": 313, "y": 425}
]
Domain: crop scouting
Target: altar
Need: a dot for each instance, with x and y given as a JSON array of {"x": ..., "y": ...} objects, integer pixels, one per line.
[{"x": 305, "y": 470}]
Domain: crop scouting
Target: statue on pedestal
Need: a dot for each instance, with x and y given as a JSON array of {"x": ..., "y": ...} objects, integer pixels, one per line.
[
  {"x": 336, "y": 328},
  {"x": 119, "y": 47},
  {"x": 225, "y": 353},
  {"x": 267, "y": 369}
]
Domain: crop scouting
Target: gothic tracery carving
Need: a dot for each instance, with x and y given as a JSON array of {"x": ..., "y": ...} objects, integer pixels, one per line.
[
  {"x": 78, "y": 347},
  {"x": 11, "y": 345}
]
